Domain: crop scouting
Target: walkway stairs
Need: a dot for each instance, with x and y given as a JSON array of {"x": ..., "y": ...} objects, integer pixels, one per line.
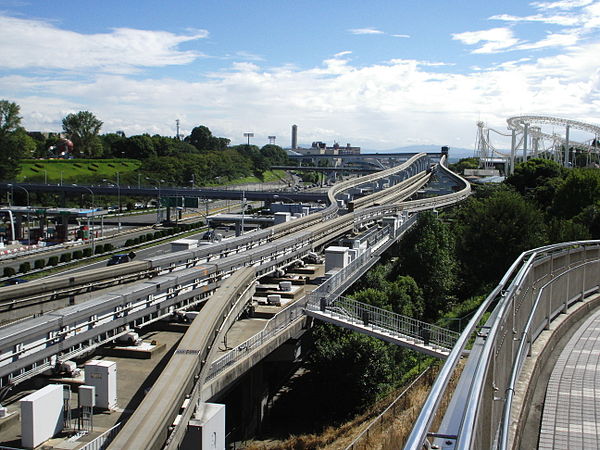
[{"x": 386, "y": 325}]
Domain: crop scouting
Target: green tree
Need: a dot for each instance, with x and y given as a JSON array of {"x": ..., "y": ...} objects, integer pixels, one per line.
[
  {"x": 83, "y": 128},
  {"x": 580, "y": 190},
  {"x": 537, "y": 179},
  {"x": 351, "y": 369},
  {"x": 464, "y": 163},
  {"x": 427, "y": 255},
  {"x": 491, "y": 232},
  {"x": 10, "y": 120},
  {"x": 14, "y": 142}
]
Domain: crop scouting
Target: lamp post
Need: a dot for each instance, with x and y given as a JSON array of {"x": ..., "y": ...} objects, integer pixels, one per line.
[
  {"x": 118, "y": 194},
  {"x": 88, "y": 218},
  {"x": 248, "y": 135},
  {"x": 158, "y": 205},
  {"x": 28, "y": 226}
]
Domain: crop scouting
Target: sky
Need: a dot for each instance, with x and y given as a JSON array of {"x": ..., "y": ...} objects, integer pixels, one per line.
[{"x": 377, "y": 74}]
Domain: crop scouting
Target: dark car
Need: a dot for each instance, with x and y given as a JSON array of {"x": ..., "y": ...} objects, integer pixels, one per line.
[{"x": 120, "y": 258}]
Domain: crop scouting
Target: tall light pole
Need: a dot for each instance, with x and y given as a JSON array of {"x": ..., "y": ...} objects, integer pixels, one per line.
[
  {"x": 118, "y": 195},
  {"x": 248, "y": 135},
  {"x": 158, "y": 205},
  {"x": 93, "y": 211},
  {"x": 28, "y": 226}
]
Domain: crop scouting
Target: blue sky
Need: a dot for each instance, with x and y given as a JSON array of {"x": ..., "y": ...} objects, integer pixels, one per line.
[{"x": 378, "y": 74}]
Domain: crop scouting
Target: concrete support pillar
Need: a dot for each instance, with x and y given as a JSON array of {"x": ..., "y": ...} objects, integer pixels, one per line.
[
  {"x": 525, "y": 139},
  {"x": 567, "y": 145},
  {"x": 513, "y": 151}
]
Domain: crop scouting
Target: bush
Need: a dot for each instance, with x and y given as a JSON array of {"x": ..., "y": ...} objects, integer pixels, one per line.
[
  {"x": 128, "y": 242},
  {"x": 136, "y": 241},
  {"x": 108, "y": 247},
  {"x": 39, "y": 264},
  {"x": 77, "y": 254},
  {"x": 99, "y": 249},
  {"x": 65, "y": 257},
  {"x": 87, "y": 252},
  {"x": 9, "y": 272},
  {"x": 53, "y": 260},
  {"x": 149, "y": 236},
  {"x": 24, "y": 267},
  {"x": 141, "y": 238},
  {"x": 157, "y": 235}
]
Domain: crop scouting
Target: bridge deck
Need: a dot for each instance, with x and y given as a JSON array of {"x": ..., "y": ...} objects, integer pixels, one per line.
[{"x": 571, "y": 415}]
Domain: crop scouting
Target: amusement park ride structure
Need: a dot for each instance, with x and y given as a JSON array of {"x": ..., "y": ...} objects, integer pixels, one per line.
[{"x": 526, "y": 134}]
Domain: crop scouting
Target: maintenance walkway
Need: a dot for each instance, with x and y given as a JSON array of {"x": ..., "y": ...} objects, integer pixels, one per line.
[{"x": 571, "y": 415}]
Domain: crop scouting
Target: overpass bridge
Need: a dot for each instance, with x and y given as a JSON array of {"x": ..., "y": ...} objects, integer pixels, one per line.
[{"x": 186, "y": 280}]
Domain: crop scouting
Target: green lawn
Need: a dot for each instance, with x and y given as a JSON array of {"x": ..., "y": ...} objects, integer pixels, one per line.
[
  {"x": 75, "y": 171},
  {"x": 89, "y": 171}
]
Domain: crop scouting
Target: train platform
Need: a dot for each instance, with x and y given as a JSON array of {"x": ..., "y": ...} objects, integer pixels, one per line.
[{"x": 571, "y": 413}]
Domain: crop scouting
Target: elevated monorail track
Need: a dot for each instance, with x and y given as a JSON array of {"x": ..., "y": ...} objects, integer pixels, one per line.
[
  {"x": 183, "y": 280},
  {"x": 12, "y": 298}
]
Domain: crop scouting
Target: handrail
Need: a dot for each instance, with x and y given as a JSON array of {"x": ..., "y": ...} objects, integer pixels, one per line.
[{"x": 516, "y": 284}]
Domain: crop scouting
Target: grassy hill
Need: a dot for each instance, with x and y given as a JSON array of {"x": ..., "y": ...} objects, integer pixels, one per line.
[
  {"x": 75, "y": 171},
  {"x": 92, "y": 171}
]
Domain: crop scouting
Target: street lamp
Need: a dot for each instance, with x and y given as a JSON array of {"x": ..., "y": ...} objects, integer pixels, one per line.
[
  {"x": 248, "y": 135},
  {"x": 118, "y": 184},
  {"x": 88, "y": 218},
  {"x": 158, "y": 205},
  {"x": 28, "y": 226}
]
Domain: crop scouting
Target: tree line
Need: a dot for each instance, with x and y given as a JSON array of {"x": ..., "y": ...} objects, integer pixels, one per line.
[
  {"x": 444, "y": 267},
  {"x": 199, "y": 158}
]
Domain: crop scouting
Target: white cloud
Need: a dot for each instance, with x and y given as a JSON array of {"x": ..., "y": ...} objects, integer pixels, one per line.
[
  {"x": 365, "y": 31},
  {"x": 562, "y": 4},
  {"x": 406, "y": 36},
  {"x": 552, "y": 40},
  {"x": 378, "y": 106},
  {"x": 28, "y": 43},
  {"x": 493, "y": 40},
  {"x": 564, "y": 20}
]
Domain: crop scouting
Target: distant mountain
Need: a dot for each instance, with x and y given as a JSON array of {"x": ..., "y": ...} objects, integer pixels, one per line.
[{"x": 455, "y": 152}]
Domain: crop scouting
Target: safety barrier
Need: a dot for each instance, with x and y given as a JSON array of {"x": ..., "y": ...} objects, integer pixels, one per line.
[{"x": 540, "y": 284}]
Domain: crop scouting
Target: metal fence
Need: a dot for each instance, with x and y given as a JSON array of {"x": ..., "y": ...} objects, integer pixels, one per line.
[
  {"x": 282, "y": 320},
  {"x": 387, "y": 416},
  {"x": 104, "y": 440},
  {"x": 376, "y": 318},
  {"x": 540, "y": 284}
]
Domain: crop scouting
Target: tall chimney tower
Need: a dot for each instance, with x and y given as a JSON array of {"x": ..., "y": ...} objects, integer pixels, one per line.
[{"x": 294, "y": 137}]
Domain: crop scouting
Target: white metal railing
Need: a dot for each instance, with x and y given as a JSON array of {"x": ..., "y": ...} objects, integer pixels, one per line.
[
  {"x": 104, "y": 440},
  {"x": 422, "y": 333},
  {"x": 539, "y": 285}
]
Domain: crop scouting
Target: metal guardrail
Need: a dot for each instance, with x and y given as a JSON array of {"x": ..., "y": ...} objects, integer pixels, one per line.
[
  {"x": 103, "y": 441},
  {"x": 330, "y": 289},
  {"x": 399, "y": 403},
  {"x": 539, "y": 285},
  {"x": 422, "y": 333}
]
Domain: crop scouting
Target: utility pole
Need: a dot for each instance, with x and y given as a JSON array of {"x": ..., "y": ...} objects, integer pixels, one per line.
[{"x": 177, "y": 135}]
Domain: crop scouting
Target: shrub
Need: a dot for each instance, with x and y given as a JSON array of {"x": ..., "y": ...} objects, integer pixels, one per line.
[
  {"x": 141, "y": 238},
  {"x": 65, "y": 257},
  {"x": 157, "y": 235},
  {"x": 53, "y": 260},
  {"x": 87, "y": 252},
  {"x": 39, "y": 264},
  {"x": 9, "y": 272},
  {"x": 136, "y": 241},
  {"x": 77, "y": 254},
  {"x": 149, "y": 236},
  {"x": 128, "y": 242},
  {"x": 24, "y": 267},
  {"x": 99, "y": 249},
  {"x": 108, "y": 247}
]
